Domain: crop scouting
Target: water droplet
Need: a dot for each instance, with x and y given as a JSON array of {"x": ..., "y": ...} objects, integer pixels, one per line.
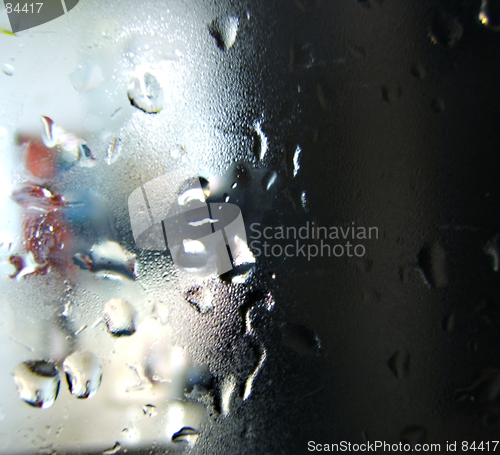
[
  {"x": 227, "y": 390},
  {"x": 116, "y": 113},
  {"x": 296, "y": 160},
  {"x": 114, "y": 450},
  {"x": 491, "y": 418},
  {"x": 446, "y": 30},
  {"x": 131, "y": 434},
  {"x": 243, "y": 176},
  {"x": 252, "y": 301},
  {"x": 438, "y": 105},
  {"x": 269, "y": 180},
  {"x": 242, "y": 255},
  {"x": 8, "y": 69},
  {"x": 197, "y": 189},
  {"x": 186, "y": 435},
  {"x": 149, "y": 410},
  {"x": 67, "y": 310},
  {"x": 491, "y": 249},
  {"x": 321, "y": 98},
  {"x": 108, "y": 259},
  {"x": 114, "y": 150},
  {"x": 449, "y": 323},
  {"x": 224, "y": 29},
  {"x": 120, "y": 317},
  {"x": 300, "y": 56},
  {"x": 86, "y": 77},
  {"x": 200, "y": 298},
  {"x": 161, "y": 313},
  {"x": 81, "y": 329},
  {"x": 83, "y": 373},
  {"x": 488, "y": 311},
  {"x": 485, "y": 390},
  {"x": 39, "y": 198},
  {"x": 303, "y": 201},
  {"x": 199, "y": 381},
  {"x": 399, "y": 364},
  {"x": 489, "y": 14},
  {"x": 37, "y": 382},
  {"x": 300, "y": 338},
  {"x": 146, "y": 93},
  {"x": 251, "y": 379},
  {"x": 356, "y": 51},
  {"x": 418, "y": 71},
  {"x": 70, "y": 147},
  {"x": 390, "y": 93},
  {"x": 260, "y": 142},
  {"x": 433, "y": 266}
]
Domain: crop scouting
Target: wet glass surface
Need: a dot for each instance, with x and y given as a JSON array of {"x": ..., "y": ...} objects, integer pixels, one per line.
[{"x": 240, "y": 227}]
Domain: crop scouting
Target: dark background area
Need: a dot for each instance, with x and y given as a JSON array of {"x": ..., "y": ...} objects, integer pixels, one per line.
[{"x": 397, "y": 117}]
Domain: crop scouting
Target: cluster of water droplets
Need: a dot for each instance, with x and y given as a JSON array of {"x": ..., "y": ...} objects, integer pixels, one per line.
[{"x": 38, "y": 381}]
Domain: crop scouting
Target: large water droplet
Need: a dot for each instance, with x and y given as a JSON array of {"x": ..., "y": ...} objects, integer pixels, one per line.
[
  {"x": 37, "y": 382},
  {"x": 83, "y": 373},
  {"x": 120, "y": 317},
  {"x": 186, "y": 435},
  {"x": 490, "y": 14},
  {"x": 108, "y": 259},
  {"x": 146, "y": 93},
  {"x": 224, "y": 29}
]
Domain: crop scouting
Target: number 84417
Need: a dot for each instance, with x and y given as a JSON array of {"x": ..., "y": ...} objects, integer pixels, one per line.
[{"x": 27, "y": 8}]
